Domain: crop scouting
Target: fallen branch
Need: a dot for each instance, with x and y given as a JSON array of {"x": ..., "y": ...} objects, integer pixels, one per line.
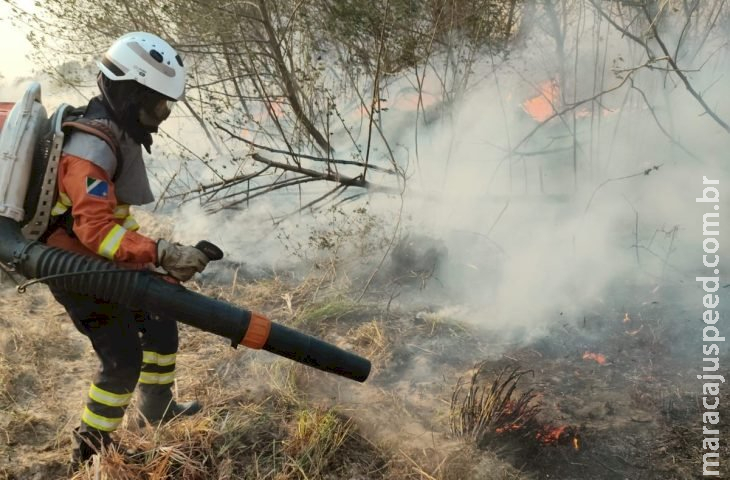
[
  {"x": 211, "y": 188},
  {"x": 303, "y": 155},
  {"x": 330, "y": 177},
  {"x": 267, "y": 189}
]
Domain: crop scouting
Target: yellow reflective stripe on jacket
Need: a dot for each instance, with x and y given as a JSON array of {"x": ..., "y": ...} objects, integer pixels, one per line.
[
  {"x": 58, "y": 209},
  {"x": 130, "y": 223},
  {"x": 154, "y": 378},
  {"x": 98, "y": 422},
  {"x": 61, "y": 205},
  {"x": 111, "y": 243},
  {"x": 121, "y": 211},
  {"x": 108, "y": 398},
  {"x": 155, "y": 358}
]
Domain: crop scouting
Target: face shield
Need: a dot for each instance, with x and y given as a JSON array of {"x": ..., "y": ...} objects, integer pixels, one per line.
[{"x": 154, "y": 109}]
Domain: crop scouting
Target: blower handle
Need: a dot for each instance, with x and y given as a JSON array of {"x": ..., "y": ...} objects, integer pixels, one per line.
[{"x": 210, "y": 250}]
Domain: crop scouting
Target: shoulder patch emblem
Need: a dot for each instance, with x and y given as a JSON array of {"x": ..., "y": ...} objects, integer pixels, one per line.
[{"x": 97, "y": 188}]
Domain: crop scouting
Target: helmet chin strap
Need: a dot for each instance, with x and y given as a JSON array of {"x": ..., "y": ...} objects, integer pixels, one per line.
[
  {"x": 106, "y": 96},
  {"x": 128, "y": 119}
]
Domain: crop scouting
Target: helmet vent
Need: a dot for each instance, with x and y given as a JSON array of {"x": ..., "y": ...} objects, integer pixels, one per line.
[
  {"x": 179, "y": 60},
  {"x": 156, "y": 55}
]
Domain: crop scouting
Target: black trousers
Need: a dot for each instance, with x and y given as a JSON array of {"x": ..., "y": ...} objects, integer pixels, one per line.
[{"x": 132, "y": 347}]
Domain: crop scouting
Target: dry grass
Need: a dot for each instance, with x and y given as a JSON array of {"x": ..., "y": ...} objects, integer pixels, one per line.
[
  {"x": 315, "y": 439},
  {"x": 239, "y": 438},
  {"x": 470, "y": 463},
  {"x": 482, "y": 411},
  {"x": 442, "y": 322},
  {"x": 264, "y": 418},
  {"x": 374, "y": 341},
  {"x": 315, "y": 316},
  {"x": 272, "y": 419},
  {"x": 6, "y": 376}
]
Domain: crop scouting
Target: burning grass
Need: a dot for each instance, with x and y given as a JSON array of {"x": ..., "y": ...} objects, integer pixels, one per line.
[
  {"x": 481, "y": 412},
  {"x": 493, "y": 414}
]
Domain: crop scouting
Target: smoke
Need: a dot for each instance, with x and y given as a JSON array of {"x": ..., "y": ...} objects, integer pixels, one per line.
[
  {"x": 593, "y": 205},
  {"x": 539, "y": 221}
]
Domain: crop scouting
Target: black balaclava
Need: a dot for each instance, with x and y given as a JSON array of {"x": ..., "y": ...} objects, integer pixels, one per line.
[{"x": 136, "y": 109}]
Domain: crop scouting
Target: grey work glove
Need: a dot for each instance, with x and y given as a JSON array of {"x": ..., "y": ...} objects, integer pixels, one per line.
[{"x": 180, "y": 261}]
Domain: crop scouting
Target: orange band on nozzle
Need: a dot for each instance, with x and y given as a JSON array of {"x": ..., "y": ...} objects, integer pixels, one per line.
[{"x": 258, "y": 331}]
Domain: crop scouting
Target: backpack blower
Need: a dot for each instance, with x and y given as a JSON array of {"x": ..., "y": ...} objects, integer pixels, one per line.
[{"x": 30, "y": 149}]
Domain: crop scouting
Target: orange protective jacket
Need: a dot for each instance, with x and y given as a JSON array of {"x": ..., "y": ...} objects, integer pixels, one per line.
[{"x": 101, "y": 226}]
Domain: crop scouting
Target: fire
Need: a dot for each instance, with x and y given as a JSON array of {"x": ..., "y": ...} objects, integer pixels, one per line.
[
  {"x": 510, "y": 413},
  {"x": 598, "y": 357},
  {"x": 509, "y": 428},
  {"x": 545, "y": 434},
  {"x": 540, "y": 107},
  {"x": 562, "y": 435},
  {"x": 627, "y": 319},
  {"x": 552, "y": 436}
]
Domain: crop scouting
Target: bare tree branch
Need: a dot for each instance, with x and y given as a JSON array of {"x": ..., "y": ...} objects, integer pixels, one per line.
[
  {"x": 678, "y": 71},
  {"x": 301, "y": 155},
  {"x": 644, "y": 172},
  {"x": 331, "y": 177},
  {"x": 291, "y": 89}
]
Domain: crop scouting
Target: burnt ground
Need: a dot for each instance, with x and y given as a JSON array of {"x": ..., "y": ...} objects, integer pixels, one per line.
[
  {"x": 622, "y": 376},
  {"x": 636, "y": 415}
]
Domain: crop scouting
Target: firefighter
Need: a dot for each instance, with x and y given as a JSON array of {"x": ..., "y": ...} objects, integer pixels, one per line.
[{"x": 101, "y": 173}]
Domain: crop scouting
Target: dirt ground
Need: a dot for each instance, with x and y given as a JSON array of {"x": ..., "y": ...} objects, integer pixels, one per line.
[{"x": 620, "y": 377}]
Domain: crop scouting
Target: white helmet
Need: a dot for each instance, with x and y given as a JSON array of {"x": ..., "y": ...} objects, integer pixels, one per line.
[{"x": 147, "y": 59}]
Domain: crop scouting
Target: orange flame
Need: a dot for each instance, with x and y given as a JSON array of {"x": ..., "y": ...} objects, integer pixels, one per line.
[
  {"x": 552, "y": 436},
  {"x": 563, "y": 435},
  {"x": 540, "y": 107},
  {"x": 509, "y": 428},
  {"x": 598, "y": 357},
  {"x": 627, "y": 319}
]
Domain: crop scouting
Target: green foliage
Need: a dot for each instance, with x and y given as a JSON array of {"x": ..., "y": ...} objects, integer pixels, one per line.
[{"x": 412, "y": 30}]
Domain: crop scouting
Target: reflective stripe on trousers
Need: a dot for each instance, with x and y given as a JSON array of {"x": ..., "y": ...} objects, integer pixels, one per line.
[
  {"x": 105, "y": 409},
  {"x": 157, "y": 368},
  {"x": 122, "y": 339}
]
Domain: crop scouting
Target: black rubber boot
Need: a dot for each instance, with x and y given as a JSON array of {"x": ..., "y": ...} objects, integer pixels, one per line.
[
  {"x": 156, "y": 405},
  {"x": 87, "y": 442}
]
